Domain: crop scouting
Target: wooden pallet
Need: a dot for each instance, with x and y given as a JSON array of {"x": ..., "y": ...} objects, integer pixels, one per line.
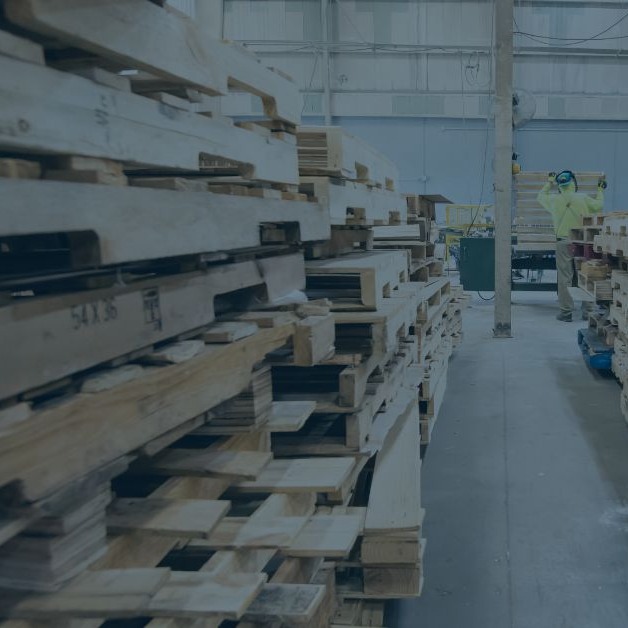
[
  {"x": 52, "y": 337},
  {"x": 104, "y": 122},
  {"x": 112, "y": 225},
  {"x": 352, "y": 203},
  {"x": 362, "y": 279},
  {"x": 332, "y": 152}
]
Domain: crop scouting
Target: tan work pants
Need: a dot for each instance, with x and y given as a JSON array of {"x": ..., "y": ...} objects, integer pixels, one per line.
[{"x": 564, "y": 269}]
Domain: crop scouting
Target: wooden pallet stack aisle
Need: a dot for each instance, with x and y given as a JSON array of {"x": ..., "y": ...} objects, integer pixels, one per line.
[{"x": 197, "y": 423}]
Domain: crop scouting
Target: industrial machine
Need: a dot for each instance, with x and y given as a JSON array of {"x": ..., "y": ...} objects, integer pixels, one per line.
[{"x": 477, "y": 266}]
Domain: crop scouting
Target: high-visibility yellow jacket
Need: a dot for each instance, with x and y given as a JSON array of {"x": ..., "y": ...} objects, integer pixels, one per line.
[{"x": 568, "y": 206}]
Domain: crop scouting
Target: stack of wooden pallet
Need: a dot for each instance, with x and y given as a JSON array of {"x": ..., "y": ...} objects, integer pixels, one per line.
[
  {"x": 611, "y": 241},
  {"x": 195, "y": 423},
  {"x": 533, "y": 224}
]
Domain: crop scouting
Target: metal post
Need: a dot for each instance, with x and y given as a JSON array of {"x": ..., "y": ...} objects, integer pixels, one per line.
[
  {"x": 504, "y": 13},
  {"x": 326, "y": 61}
]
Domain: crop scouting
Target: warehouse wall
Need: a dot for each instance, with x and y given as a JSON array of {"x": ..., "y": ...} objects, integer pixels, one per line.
[{"x": 413, "y": 78}]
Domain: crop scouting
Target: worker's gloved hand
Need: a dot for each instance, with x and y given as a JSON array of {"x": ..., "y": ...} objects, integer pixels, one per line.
[
  {"x": 601, "y": 183},
  {"x": 551, "y": 178}
]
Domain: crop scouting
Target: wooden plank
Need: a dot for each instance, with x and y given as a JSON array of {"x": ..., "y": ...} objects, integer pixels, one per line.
[
  {"x": 235, "y": 533},
  {"x": 275, "y": 524},
  {"x": 192, "y": 57},
  {"x": 99, "y": 121},
  {"x": 237, "y": 465},
  {"x": 107, "y": 593},
  {"x": 200, "y": 594},
  {"x": 99, "y": 428},
  {"x": 316, "y": 475},
  {"x": 169, "y": 517},
  {"x": 201, "y": 223},
  {"x": 395, "y": 500},
  {"x": 229, "y": 332},
  {"x": 286, "y": 603},
  {"x": 331, "y": 536},
  {"x": 289, "y": 416},
  {"x": 314, "y": 339}
]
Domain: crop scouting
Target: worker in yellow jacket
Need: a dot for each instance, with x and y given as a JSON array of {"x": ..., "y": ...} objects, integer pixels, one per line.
[{"x": 567, "y": 209}]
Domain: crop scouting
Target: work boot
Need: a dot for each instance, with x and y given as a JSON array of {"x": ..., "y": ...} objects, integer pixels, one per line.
[{"x": 565, "y": 317}]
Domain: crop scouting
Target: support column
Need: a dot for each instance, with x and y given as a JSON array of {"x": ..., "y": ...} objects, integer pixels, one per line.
[
  {"x": 326, "y": 62},
  {"x": 504, "y": 12}
]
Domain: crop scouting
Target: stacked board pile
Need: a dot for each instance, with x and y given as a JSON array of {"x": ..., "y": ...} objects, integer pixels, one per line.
[
  {"x": 533, "y": 224},
  {"x": 612, "y": 242},
  {"x": 184, "y": 436}
]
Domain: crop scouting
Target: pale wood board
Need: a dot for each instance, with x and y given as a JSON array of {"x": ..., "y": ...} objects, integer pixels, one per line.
[
  {"x": 205, "y": 594},
  {"x": 395, "y": 500},
  {"x": 314, "y": 339},
  {"x": 316, "y": 475},
  {"x": 169, "y": 517},
  {"x": 331, "y": 536},
  {"x": 229, "y": 332},
  {"x": 97, "y": 594},
  {"x": 100, "y": 428},
  {"x": 236, "y": 465},
  {"x": 286, "y": 603},
  {"x": 289, "y": 416}
]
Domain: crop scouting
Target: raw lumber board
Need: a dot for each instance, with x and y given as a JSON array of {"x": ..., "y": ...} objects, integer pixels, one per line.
[
  {"x": 315, "y": 475},
  {"x": 170, "y": 517},
  {"x": 288, "y": 604},
  {"x": 229, "y": 332},
  {"x": 330, "y": 150},
  {"x": 107, "y": 591},
  {"x": 45, "y": 110},
  {"x": 275, "y": 524},
  {"x": 351, "y": 203},
  {"x": 99, "y": 428},
  {"x": 395, "y": 499},
  {"x": 204, "y": 594},
  {"x": 314, "y": 339},
  {"x": 237, "y": 465},
  {"x": 191, "y": 56},
  {"x": 44, "y": 563},
  {"x": 395, "y": 548},
  {"x": 133, "y": 224},
  {"x": 289, "y": 416},
  {"x": 330, "y": 536},
  {"x": 145, "y": 592},
  {"x": 378, "y": 274},
  {"x": 51, "y": 337}
]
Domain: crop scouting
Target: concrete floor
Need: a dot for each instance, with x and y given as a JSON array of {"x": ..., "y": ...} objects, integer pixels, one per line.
[{"x": 525, "y": 484}]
